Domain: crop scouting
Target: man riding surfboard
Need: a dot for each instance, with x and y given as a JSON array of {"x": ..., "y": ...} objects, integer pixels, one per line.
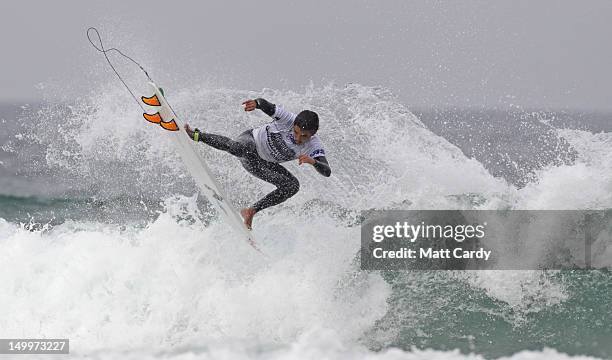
[{"x": 262, "y": 149}]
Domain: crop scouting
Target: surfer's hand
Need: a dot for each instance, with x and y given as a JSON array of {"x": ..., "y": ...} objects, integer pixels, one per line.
[
  {"x": 250, "y": 105},
  {"x": 189, "y": 131},
  {"x": 306, "y": 159}
]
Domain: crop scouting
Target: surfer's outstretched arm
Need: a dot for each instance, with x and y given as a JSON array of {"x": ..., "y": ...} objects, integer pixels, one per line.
[
  {"x": 265, "y": 106},
  {"x": 278, "y": 113},
  {"x": 261, "y": 104},
  {"x": 322, "y": 166}
]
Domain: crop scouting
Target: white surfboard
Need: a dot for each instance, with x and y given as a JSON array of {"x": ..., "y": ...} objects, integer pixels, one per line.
[{"x": 195, "y": 163}]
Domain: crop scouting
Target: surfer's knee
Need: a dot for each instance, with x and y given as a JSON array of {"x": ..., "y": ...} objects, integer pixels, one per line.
[{"x": 292, "y": 186}]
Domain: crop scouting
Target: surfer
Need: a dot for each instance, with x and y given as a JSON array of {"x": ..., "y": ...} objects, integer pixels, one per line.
[{"x": 262, "y": 149}]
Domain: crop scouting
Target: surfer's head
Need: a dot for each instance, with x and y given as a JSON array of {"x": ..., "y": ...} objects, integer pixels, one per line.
[{"x": 305, "y": 125}]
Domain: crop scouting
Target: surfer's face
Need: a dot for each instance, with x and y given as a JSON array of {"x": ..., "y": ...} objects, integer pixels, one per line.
[{"x": 301, "y": 135}]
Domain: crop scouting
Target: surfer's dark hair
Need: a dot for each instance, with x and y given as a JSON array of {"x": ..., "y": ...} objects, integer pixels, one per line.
[{"x": 307, "y": 120}]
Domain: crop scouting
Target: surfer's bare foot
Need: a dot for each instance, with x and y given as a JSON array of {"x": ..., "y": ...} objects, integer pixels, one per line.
[
  {"x": 189, "y": 131},
  {"x": 247, "y": 214}
]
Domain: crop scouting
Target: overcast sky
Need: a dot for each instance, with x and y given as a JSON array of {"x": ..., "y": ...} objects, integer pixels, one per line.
[{"x": 534, "y": 54}]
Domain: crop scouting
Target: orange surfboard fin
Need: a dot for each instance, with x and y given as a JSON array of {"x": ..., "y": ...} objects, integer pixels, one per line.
[
  {"x": 151, "y": 101},
  {"x": 155, "y": 118},
  {"x": 170, "y": 125}
]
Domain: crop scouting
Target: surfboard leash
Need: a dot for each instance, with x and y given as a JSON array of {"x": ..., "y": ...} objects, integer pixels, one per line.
[{"x": 104, "y": 51}]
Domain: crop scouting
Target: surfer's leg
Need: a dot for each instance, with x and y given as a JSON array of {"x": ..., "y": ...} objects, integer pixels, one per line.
[
  {"x": 241, "y": 147},
  {"x": 286, "y": 184}
]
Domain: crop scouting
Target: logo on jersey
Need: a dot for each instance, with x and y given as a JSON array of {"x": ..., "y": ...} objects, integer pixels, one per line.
[
  {"x": 318, "y": 152},
  {"x": 278, "y": 147}
]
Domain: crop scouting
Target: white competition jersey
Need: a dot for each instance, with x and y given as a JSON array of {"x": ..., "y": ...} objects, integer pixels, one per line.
[{"x": 275, "y": 141}]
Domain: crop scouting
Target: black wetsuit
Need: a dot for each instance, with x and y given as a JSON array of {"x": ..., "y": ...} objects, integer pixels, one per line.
[{"x": 244, "y": 148}]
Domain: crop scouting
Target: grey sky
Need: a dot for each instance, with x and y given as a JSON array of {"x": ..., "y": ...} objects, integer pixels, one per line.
[{"x": 542, "y": 54}]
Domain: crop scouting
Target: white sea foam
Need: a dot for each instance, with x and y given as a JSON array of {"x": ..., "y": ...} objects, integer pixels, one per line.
[{"x": 177, "y": 282}]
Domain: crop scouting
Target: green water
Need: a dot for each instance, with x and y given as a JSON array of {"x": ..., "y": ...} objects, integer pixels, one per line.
[{"x": 440, "y": 310}]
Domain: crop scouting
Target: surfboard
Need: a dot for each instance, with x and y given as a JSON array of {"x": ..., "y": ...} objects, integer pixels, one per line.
[{"x": 194, "y": 162}]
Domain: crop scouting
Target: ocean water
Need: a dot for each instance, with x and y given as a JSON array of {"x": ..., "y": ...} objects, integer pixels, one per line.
[{"x": 105, "y": 240}]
